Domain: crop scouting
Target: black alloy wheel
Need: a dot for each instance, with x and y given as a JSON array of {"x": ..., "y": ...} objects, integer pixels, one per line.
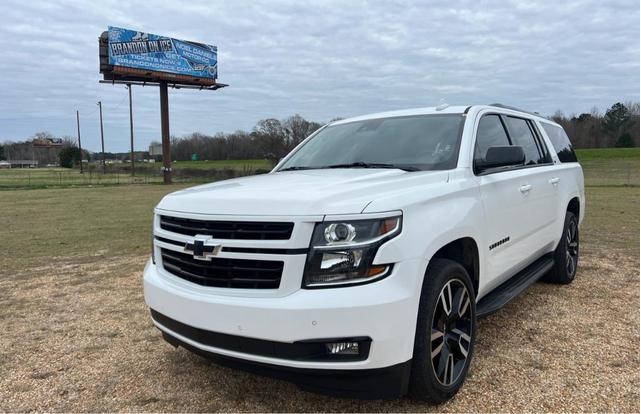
[
  {"x": 572, "y": 247},
  {"x": 566, "y": 255},
  {"x": 445, "y": 332},
  {"x": 450, "y": 338}
]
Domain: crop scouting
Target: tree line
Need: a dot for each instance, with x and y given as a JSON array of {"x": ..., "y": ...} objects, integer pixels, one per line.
[
  {"x": 67, "y": 154},
  {"x": 272, "y": 139},
  {"x": 618, "y": 127},
  {"x": 269, "y": 139}
]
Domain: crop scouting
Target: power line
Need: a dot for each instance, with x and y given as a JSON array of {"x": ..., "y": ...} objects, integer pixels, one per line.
[
  {"x": 89, "y": 113},
  {"x": 121, "y": 102},
  {"x": 95, "y": 109}
]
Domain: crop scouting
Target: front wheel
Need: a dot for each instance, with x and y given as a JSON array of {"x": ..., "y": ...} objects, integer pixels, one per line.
[{"x": 445, "y": 332}]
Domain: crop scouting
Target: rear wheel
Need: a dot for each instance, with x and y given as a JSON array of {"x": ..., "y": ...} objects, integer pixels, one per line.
[
  {"x": 566, "y": 255},
  {"x": 445, "y": 332}
]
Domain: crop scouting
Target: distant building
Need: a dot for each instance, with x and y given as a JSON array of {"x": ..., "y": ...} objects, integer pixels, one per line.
[
  {"x": 47, "y": 142},
  {"x": 155, "y": 150},
  {"x": 5, "y": 164},
  {"x": 23, "y": 163}
]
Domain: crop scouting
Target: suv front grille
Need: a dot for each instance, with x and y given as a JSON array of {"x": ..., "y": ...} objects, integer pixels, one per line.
[
  {"x": 221, "y": 272},
  {"x": 228, "y": 229}
]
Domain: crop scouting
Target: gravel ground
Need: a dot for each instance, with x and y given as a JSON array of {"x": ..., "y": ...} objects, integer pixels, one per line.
[{"x": 77, "y": 337}]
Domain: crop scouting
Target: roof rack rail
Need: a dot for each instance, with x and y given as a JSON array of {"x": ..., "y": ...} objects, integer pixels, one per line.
[{"x": 500, "y": 105}]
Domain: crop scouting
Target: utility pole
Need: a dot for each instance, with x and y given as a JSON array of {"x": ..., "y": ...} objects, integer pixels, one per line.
[
  {"x": 102, "y": 139},
  {"x": 164, "y": 132},
  {"x": 131, "y": 130},
  {"x": 79, "y": 144}
]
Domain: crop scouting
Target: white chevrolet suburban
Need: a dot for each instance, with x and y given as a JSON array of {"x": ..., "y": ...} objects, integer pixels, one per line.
[{"x": 361, "y": 263}]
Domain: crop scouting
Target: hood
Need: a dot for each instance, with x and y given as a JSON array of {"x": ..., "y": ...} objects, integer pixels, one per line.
[{"x": 297, "y": 193}]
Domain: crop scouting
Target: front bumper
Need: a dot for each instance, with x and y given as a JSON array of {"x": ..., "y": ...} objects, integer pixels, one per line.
[
  {"x": 380, "y": 383},
  {"x": 384, "y": 311}
]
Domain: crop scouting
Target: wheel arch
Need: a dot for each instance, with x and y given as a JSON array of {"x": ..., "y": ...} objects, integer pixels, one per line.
[
  {"x": 465, "y": 251},
  {"x": 574, "y": 206}
]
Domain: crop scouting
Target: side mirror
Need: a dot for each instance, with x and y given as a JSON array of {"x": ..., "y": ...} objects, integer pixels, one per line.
[{"x": 506, "y": 156}]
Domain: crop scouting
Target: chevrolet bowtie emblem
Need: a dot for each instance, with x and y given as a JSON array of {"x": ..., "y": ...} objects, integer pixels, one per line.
[{"x": 203, "y": 247}]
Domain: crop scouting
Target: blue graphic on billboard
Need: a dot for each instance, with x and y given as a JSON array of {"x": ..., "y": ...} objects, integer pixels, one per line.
[{"x": 132, "y": 49}]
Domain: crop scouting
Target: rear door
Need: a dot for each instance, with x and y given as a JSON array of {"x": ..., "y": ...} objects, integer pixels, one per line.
[
  {"x": 567, "y": 170},
  {"x": 543, "y": 178}
]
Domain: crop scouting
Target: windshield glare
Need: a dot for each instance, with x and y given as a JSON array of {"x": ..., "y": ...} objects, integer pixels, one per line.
[{"x": 425, "y": 142}]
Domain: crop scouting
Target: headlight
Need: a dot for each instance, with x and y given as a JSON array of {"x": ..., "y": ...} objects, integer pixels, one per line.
[{"x": 342, "y": 252}]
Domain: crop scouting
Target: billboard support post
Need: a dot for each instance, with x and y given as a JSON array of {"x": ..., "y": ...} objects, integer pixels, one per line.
[
  {"x": 131, "y": 130},
  {"x": 164, "y": 131},
  {"x": 102, "y": 139}
]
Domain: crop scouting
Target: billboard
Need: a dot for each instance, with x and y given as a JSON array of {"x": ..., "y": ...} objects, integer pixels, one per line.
[{"x": 148, "y": 53}]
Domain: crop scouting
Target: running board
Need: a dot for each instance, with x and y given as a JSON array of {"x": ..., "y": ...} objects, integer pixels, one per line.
[{"x": 514, "y": 286}]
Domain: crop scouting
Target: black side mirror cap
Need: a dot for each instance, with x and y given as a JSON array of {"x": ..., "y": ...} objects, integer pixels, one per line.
[{"x": 504, "y": 156}]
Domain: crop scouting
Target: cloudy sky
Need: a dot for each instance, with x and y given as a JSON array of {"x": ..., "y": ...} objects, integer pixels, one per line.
[{"x": 318, "y": 59}]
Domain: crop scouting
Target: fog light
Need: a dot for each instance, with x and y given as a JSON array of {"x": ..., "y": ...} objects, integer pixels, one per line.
[{"x": 342, "y": 348}]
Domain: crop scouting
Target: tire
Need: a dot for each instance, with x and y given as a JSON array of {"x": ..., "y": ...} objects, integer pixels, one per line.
[
  {"x": 431, "y": 379},
  {"x": 566, "y": 255}
]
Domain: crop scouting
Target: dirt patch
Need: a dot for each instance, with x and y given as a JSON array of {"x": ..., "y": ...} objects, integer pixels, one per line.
[{"x": 77, "y": 337}]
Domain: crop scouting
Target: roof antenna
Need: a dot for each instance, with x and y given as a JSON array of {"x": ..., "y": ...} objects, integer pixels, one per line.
[{"x": 441, "y": 105}]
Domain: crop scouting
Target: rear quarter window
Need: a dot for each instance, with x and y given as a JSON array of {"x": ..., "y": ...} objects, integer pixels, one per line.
[{"x": 560, "y": 142}]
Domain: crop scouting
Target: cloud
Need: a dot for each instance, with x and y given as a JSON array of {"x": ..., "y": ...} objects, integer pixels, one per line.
[{"x": 319, "y": 59}]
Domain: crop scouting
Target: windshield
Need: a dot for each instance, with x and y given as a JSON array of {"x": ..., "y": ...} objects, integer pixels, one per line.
[{"x": 423, "y": 142}]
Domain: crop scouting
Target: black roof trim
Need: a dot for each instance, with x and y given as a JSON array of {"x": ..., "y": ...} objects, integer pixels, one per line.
[{"x": 500, "y": 105}]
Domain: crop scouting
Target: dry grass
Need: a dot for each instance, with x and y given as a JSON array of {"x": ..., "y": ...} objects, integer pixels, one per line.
[
  {"x": 78, "y": 338},
  {"x": 76, "y": 335}
]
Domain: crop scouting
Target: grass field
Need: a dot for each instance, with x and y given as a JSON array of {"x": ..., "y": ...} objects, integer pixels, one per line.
[
  {"x": 222, "y": 164},
  {"x": 77, "y": 335},
  {"x": 39, "y": 178},
  {"x": 595, "y": 161},
  {"x": 116, "y": 174},
  {"x": 610, "y": 166}
]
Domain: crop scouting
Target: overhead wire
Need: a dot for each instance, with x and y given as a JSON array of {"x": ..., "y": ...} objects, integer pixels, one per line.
[{"x": 96, "y": 108}]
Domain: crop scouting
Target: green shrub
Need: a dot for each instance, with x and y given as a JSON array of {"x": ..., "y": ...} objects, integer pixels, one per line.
[
  {"x": 69, "y": 156},
  {"x": 625, "y": 141}
]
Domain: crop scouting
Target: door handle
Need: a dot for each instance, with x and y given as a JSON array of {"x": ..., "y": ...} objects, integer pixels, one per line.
[
  {"x": 525, "y": 188},
  {"x": 554, "y": 181}
]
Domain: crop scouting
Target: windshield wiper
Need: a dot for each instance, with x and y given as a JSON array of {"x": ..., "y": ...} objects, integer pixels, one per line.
[
  {"x": 360, "y": 164},
  {"x": 296, "y": 168}
]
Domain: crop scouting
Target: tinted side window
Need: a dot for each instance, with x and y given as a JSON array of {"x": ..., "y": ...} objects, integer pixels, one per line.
[
  {"x": 490, "y": 133},
  {"x": 521, "y": 135},
  {"x": 560, "y": 142},
  {"x": 543, "y": 146}
]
